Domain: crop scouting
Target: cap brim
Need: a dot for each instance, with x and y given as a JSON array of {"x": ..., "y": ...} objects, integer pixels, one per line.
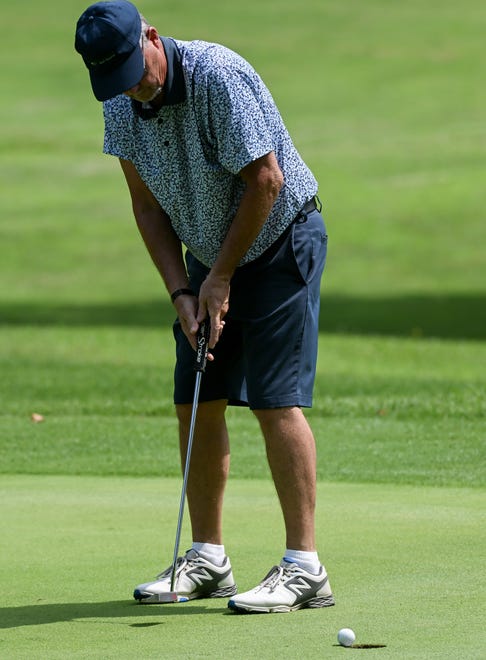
[{"x": 127, "y": 75}]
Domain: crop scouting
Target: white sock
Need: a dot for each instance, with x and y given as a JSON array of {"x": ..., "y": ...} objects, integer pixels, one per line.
[
  {"x": 213, "y": 553},
  {"x": 309, "y": 561}
]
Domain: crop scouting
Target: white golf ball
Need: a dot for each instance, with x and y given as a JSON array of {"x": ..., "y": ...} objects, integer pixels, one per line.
[{"x": 346, "y": 637}]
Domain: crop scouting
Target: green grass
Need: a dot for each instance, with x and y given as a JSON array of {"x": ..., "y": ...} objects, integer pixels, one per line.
[
  {"x": 385, "y": 101},
  {"x": 404, "y": 571},
  {"x": 398, "y": 410}
]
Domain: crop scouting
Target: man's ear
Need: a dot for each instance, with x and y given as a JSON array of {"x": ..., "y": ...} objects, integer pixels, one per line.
[{"x": 153, "y": 36}]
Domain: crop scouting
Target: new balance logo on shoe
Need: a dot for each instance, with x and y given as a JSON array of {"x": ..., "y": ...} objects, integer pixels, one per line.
[
  {"x": 196, "y": 577},
  {"x": 199, "y": 575},
  {"x": 299, "y": 586},
  {"x": 286, "y": 588}
]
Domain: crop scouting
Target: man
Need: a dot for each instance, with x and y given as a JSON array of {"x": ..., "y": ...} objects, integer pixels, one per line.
[{"x": 210, "y": 165}]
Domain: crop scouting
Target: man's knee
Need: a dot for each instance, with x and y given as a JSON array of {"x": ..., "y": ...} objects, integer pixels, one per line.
[
  {"x": 208, "y": 412},
  {"x": 272, "y": 416}
]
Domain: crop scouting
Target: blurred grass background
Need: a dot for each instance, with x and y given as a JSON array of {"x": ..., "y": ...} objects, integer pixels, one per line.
[{"x": 385, "y": 100}]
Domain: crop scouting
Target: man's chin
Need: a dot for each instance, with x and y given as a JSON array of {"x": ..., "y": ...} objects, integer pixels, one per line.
[
  {"x": 154, "y": 95},
  {"x": 149, "y": 96},
  {"x": 146, "y": 96}
]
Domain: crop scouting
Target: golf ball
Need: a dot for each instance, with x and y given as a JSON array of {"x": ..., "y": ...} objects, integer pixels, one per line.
[{"x": 346, "y": 637}]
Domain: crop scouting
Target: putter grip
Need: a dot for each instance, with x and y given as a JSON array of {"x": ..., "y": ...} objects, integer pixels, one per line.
[{"x": 202, "y": 341}]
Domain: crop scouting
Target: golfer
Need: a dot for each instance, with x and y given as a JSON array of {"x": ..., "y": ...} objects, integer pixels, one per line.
[{"x": 210, "y": 166}]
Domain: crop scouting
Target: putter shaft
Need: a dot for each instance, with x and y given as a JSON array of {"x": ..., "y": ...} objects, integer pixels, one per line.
[
  {"x": 200, "y": 367},
  {"x": 184, "y": 481}
]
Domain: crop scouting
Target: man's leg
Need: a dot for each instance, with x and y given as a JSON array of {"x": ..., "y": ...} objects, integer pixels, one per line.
[
  {"x": 209, "y": 468},
  {"x": 204, "y": 571},
  {"x": 294, "y": 584},
  {"x": 291, "y": 455}
]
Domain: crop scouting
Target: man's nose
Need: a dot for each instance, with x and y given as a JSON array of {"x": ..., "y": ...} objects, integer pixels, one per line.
[{"x": 133, "y": 90}]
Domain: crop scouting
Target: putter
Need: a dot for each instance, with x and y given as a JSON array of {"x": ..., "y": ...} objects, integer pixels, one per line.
[{"x": 200, "y": 366}]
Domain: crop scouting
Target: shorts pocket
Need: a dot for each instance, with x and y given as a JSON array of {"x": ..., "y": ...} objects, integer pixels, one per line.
[{"x": 309, "y": 247}]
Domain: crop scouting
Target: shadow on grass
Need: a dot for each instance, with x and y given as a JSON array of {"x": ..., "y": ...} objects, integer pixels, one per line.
[
  {"x": 40, "y": 614},
  {"x": 461, "y": 316}
]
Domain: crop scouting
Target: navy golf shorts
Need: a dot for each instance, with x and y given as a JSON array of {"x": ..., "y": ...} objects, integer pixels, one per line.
[{"x": 266, "y": 356}]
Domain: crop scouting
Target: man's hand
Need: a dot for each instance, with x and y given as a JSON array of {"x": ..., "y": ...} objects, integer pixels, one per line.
[
  {"x": 186, "y": 307},
  {"x": 263, "y": 180},
  {"x": 214, "y": 303},
  {"x": 187, "y": 312}
]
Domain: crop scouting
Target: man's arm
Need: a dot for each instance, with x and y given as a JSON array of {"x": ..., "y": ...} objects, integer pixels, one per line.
[
  {"x": 264, "y": 180},
  {"x": 163, "y": 245}
]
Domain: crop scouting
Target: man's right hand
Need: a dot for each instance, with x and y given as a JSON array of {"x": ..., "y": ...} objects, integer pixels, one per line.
[{"x": 187, "y": 309}]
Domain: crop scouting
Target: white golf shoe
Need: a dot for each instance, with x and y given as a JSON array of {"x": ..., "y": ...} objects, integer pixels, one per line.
[
  {"x": 196, "y": 577},
  {"x": 286, "y": 588}
]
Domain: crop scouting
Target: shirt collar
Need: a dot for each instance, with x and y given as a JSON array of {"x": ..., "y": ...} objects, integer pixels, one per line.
[{"x": 174, "y": 85}]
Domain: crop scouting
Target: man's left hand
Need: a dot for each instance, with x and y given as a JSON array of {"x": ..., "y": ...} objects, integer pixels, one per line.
[{"x": 214, "y": 302}]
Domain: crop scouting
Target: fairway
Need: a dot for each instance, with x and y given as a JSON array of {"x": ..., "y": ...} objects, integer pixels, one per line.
[
  {"x": 386, "y": 103},
  {"x": 393, "y": 556}
]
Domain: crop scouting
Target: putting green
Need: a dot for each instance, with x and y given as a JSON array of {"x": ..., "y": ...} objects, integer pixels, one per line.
[{"x": 404, "y": 564}]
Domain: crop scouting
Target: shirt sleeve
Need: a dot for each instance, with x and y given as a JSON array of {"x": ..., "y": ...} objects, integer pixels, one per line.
[
  {"x": 117, "y": 140},
  {"x": 237, "y": 119}
]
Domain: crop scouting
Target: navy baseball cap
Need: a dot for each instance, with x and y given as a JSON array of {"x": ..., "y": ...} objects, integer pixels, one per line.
[{"x": 108, "y": 39}]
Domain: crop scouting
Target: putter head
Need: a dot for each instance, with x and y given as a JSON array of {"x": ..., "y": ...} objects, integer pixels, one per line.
[{"x": 172, "y": 597}]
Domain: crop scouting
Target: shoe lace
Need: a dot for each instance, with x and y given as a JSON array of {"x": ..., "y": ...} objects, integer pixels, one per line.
[
  {"x": 188, "y": 558},
  {"x": 276, "y": 574}
]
